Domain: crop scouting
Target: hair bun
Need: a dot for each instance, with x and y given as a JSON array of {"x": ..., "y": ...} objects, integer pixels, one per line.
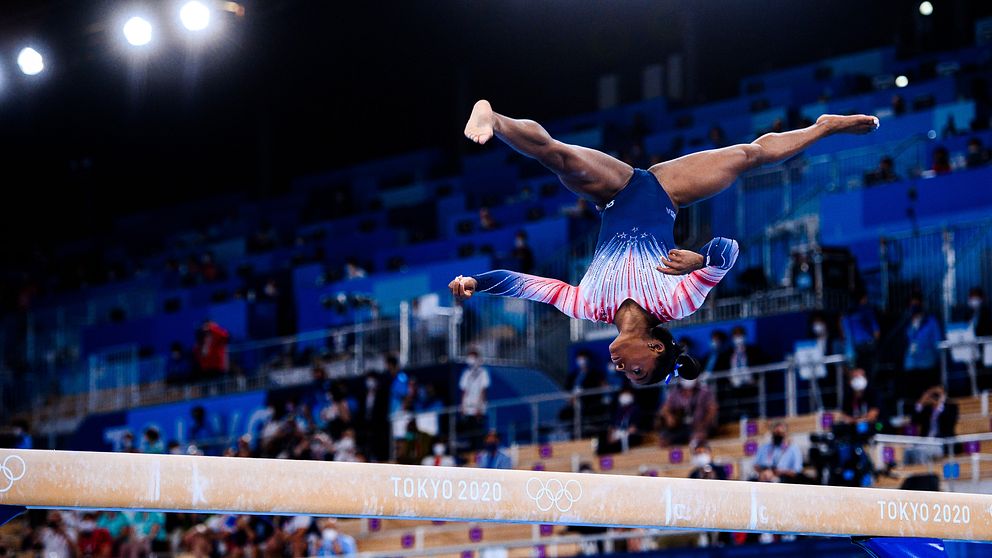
[{"x": 687, "y": 367}]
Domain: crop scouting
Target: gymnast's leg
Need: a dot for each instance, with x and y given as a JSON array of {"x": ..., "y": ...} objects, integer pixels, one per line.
[
  {"x": 588, "y": 173},
  {"x": 698, "y": 176}
]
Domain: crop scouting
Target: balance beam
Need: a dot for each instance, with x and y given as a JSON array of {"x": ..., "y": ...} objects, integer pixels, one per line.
[{"x": 123, "y": 481}]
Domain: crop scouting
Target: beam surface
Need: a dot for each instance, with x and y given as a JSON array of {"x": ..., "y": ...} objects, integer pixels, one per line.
[{"x": 86, "y": 480}]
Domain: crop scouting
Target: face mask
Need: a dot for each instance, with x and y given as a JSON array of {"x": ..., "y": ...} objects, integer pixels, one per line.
[
  {"x": 581, "y": 362},
  {"x": 346, "y": 444},
  {"x": 625, "y": 399},
  {"x": 329, "y": 534},
  {"x": 438, "y": 449},
  {"x": 701, "y": 459},
  {"x": 370, "y": 384},
  {"x": 520, "y": 243},
  {"x": 688, "y": 384},
  {"x": 777, "y": 439},
  {"x": 87, "y": 526},
  {"x": 917, "y": 320},
  {"x": 739, "y": 340},
  {"x": 715, "y": 344},
  {"x": 975, "y": 303},
  {"x": 472, "y": 361},
  {"x": 859, "y": 383},
  {"x": 819, "y": 328}
]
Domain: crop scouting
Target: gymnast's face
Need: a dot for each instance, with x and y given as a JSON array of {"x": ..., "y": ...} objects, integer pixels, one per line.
[{"x": 636, "y": 355}]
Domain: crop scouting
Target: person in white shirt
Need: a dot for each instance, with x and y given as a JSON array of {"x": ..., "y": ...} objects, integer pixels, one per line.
[
  {"x": 474, "y": 384},
  {"x": 438, "y": 457}
]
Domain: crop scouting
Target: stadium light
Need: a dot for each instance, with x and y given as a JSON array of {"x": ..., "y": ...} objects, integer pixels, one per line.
[
  {"x": 137, "y": 31},
  {"x": 902, "y": 81},
  {"x": 30, "y": 61},
  {"x": 926, "y": 8},
  {"x": 195, "y": 15}
]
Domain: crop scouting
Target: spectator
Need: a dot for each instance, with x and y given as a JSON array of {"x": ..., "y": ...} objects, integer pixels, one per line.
[
  {"x": 689, "y": 414},
  {"x": 152, "y": 442},
  {"x": 934, "y": 416},
  {"x": 705, "y": 468},
  {"x": 921, "y": 360},
  {"x": 522, "y": 255},
  {"x": 741, "y": 383},
  {"x": 56, "y": 538},
  {"x": 93, "y": 541},
  {"x": 352, "y": 270},
  {"x": 941, "y": 160},
  {"x": 976, "y": 313},
  {"x": 884, "y": 173},
  {"x": 950, "y": 127},
  {"x": 399, "y": 386},
  {"x": 860, "y": 399},
  {"x": 717, "y": 138},
  {"x": 624, "y": 432},
  {"x": 211, "y": 350},
  {"x": 580, "y": 210},
  {"x": 977, "y": 154},
  {"x": 491, "y": 457},
  {"x": 474, "y": 385},
  {"x": 778, "y": 460},
  {"x": 117, "y": 524},
  {"x": 588, "y": 375},
  {"x": 439, "y": 456},
  {"x": 346, "y": 448},
  {"x": 486, "y": 220},
  {"x": 863, "y": 332},
  {"x": 333, "y": 542},
  {"x": 717, "y": 359},
  {"x": 177, "y": 369},
  {"x": 373, "y": 413},
  {"x": 200, "y": 431},
  {"x": 898, "y": 105},
  {"x": 22, "y": 438}
]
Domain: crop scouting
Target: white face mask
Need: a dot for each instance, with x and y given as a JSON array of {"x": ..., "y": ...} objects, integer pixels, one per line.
[
  {"x": 370, "y": 383},
  {"x": 859, "y": 383},
  {"x": 87, "y": 526},
  {"x": 581, "y": 362},
  {"x": 819, "y": 328},
  {"x": 701, "y": 459},
  {"x": 438, "y": 449},
  {"x": 687, "y": 384},
  {"x": 472, "y": 361},
  {"x": 917, "y": 320},
  {"x": 625, "y": 399},
  {"x": 975, "y": 303},
  {"x": 329, "y": 534},
  {"x": 739, "y": 340}
]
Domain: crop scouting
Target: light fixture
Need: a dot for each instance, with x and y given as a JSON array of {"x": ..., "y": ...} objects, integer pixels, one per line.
[
  {"x": 195, "y": 15},
  {"x": 30, "y": 61},
  {"x": 137, "y": 31}
]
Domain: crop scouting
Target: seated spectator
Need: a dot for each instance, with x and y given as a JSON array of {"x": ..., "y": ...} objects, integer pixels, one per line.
[
  {"x": 624, "y": 432},
  {"x": 580, "y": 210},
  {"x": 705, "y": 468},
  {"x": 860, "y": 399},
  {"x": 862, "y": 330},
  {"x": 199, "y": 431},
  {"x": 778, "y": 460},
  {"x": 522, "y": 255},
  {"x": 93, "y": 541},
  {"x": 21, "y": 434},
  {"x": 689, "y": 414},
  {"x": 934, "y": 416},
  {"x": 333, "y": 542},
  {"x": 486, "y": 220},
  {"x": 439, "y": 456},
  {"x": 117, "y": 524},
  {"x": 211, "y": 350},
  {"x": 491, "y": 457},
  {"x": 941, "y": 160},
  {"x": 884, "y": 173},
  {"x": 147, "y": 535},
  {"x": 177, "y": 367},
  {"x": 978, "y": 155},
  {"x": 152, "y": 442},
  {"x": 56, "y": 538}
]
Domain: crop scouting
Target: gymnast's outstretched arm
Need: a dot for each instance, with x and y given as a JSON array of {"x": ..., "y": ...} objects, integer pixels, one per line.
[{"x": 501, "y": 282}]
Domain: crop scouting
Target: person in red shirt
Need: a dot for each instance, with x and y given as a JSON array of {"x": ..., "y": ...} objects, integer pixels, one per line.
[
  {"x": 211, "y": 350},
  {"x": 93, "y": 541}
]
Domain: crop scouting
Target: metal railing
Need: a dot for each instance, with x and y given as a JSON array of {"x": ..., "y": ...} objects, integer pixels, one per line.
[{"x": 542, "y": 411}]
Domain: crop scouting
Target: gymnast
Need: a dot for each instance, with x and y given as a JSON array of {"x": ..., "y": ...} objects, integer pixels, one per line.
[{"x": 637, "y": 279}]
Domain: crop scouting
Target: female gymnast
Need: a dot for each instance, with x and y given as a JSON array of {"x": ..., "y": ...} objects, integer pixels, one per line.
[{"x": 637, "y": 279}]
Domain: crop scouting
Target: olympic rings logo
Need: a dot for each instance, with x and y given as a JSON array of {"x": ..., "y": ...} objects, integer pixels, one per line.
[
  {"x": 12, "y": 473},
  {"x": 554, "y": 493}
]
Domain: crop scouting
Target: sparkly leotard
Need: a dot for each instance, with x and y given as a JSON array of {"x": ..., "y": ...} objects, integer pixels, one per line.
[{"x": 636, "y": 232}]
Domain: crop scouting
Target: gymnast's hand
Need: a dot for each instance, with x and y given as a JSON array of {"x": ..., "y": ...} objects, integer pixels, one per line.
[
  {"x": 681, "y": 262},
  {"x": 463, "y": 287}
]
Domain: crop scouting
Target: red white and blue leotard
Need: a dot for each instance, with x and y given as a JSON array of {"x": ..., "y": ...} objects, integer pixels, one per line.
[{"x": 636, "y": 232}]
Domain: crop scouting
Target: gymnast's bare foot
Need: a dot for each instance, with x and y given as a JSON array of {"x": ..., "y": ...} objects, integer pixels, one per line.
[
  {"x": 480, "y": 124},
  {"x": 853, "y": 124}
]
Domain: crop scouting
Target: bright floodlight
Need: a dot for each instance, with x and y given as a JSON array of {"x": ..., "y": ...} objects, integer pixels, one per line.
[
  {"x": 902, "y": 81},
  {"x": 138, "y": 31},
  {"x": 30, "y": 61},
  {"x": 195, "y": 15},
  {"x": 926, "y": 8}
]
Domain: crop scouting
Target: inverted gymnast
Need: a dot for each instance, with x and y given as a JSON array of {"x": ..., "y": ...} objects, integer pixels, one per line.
[{"x": 637, "y": 279}]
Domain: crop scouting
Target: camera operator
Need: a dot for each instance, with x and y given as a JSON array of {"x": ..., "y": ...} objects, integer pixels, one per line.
[
  {"x": 779, "y": 460},
  {"x": 934, "y": 416}
]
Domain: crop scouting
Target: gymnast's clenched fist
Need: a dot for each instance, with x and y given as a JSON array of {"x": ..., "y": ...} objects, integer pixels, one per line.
[{"x": 462, "y": 287}]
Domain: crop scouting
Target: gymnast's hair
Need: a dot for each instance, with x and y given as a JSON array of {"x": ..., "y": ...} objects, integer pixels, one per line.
[{"x": 673, "y": 359}]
